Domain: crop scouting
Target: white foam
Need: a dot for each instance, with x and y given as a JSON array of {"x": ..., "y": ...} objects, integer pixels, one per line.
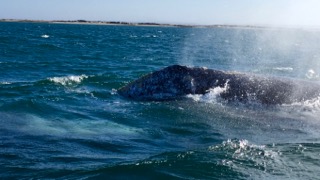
[
  {"x": 5, "y": 83},
  {"x": 45, "y": 36},
  {"x": 237, "y": 145},
  {"x": 68, "y": 80},
  {"x": 242, "y": 149},
  {"x": 310, "y": 105},
  {"x": 114, "y": 91},
  {"x": 283, "y": 68},
  {"x": 211, "y": 96},
  {"x": 311, "y": 74}
]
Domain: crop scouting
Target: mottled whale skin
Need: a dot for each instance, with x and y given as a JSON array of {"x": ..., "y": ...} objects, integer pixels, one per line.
[{"x": 177, "y": 81}]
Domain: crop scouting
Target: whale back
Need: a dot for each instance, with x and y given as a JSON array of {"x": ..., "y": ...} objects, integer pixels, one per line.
[
  {"x": 173, "y": 82},
  {"x": 177, "y": 81},
  {"x": 167, "y": 83}
]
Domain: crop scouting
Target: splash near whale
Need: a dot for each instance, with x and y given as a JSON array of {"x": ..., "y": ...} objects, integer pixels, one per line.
[{"x": 177, "y": 81}]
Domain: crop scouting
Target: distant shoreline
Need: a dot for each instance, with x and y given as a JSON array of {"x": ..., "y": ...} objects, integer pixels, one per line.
[
  {"x": 85, "y": 22},
  {"x": 148, "y": 24}
]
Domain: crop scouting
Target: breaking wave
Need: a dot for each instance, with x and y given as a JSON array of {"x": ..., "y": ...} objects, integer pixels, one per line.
[
  {"x": 45, "y": 36},
  {"x": 68, "y": 80},
  {"x": 283, "y": 68}
]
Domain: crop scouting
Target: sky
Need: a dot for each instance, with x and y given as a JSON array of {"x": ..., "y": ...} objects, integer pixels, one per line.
[{"x": 193, "y": 12}]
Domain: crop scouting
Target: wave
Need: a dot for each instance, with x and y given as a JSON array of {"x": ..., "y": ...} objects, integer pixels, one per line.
[
  {"x": 283, "y": 68},
  {"x": 272, "y": 160},
  {"x": 61, "y": 87},
  {"x": 68, "y": 80},
  {"x": 241, "y": 155},
  {"x": 237, "y": 159},
  {"x": 231, "y": 159},
  {"x": 45, "y": 36}
]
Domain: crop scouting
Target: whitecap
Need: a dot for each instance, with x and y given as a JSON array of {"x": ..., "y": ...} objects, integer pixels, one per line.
[
  {"x": 5, "y": 83},
  {"x": 45, "y": 36},
  {"x": 243, "y": 150},
  {"x": 236, "y": 145},
  {"x": 114, "y": 91},
  {"x": 68, "y": 80},
  {"x": 283, "y": 68}
]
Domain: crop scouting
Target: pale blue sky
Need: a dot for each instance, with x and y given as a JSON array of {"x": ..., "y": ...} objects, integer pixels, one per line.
[{"x": 248, "y": 12}]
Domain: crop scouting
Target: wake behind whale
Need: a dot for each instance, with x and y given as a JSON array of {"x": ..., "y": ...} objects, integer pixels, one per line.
[{"x": 177, "y": 81}]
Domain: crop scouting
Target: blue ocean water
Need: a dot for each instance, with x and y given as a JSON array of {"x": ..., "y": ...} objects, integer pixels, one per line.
[{"x": 61, "y": 116}]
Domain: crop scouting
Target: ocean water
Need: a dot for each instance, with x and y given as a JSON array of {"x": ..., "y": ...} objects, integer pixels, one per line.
[{"x": 61, "y": 116}]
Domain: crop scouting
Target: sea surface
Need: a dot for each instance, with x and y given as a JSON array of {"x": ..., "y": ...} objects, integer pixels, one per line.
[{"x": 61, "y": 116}]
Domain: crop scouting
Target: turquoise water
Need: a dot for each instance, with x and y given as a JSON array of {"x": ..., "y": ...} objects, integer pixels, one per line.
[{"x": 61, "y": 116}]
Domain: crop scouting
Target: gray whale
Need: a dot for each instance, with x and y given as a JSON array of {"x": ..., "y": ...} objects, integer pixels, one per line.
[{"x": 177, "y": 81}]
